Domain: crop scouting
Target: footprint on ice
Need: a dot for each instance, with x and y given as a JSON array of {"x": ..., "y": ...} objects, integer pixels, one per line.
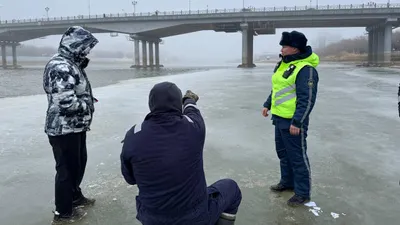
[{"x": 334, "y": 215}]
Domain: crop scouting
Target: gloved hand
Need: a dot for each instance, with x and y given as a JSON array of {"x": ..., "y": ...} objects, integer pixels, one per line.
[{"x": 190, "y": 94}]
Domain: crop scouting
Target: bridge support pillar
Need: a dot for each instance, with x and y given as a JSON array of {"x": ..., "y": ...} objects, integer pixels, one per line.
[
  {"x": 151, "y": 54},
  {"x": 146, "y": 59},
  {"x": 137, "y": 54},
  {"x": 247, "y": 46},
  {"x": 144, "y": 53},
  {"x": 370, "y": 48},
  {"x": 157, "y": 53},
  {"x": 380, "y": 45},
  {"x": 3, "y": 56},
  {"x": 375, "y": 42},
  {"x": 387, "y": 44},
  {"x": 14, "y": 56},
  {"x": 381, "y": 36}
]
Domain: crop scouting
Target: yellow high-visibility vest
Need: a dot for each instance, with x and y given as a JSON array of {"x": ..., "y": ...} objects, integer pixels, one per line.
[{"x": 283, "y": 96}]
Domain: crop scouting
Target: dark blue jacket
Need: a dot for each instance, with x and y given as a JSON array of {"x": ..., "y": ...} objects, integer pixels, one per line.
[
  {"x": 306, "y": 91},
  {"x": 164, "y": 157}
]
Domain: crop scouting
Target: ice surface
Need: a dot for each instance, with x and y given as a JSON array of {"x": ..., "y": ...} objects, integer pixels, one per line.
[{"x": 352, "y": 145}]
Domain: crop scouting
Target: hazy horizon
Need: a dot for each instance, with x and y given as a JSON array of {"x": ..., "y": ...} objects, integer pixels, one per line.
[{"x": 202, "y": 45}]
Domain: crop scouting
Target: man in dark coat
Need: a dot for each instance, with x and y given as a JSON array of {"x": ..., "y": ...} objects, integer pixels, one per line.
[{"x": 164, "y": 157}]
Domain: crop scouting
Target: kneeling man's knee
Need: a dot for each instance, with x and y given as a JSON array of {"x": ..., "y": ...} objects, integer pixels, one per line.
[{"x": 234, "y": 188}]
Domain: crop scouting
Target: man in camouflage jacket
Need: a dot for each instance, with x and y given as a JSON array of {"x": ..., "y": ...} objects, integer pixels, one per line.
[{"x": 69, "y": 116}]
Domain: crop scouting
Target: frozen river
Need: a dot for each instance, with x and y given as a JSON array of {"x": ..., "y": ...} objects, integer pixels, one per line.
[{"x": 353, "y": 145}]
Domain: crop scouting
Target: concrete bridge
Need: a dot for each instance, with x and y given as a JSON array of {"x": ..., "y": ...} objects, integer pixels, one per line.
[{"x": 150, "y": 28}]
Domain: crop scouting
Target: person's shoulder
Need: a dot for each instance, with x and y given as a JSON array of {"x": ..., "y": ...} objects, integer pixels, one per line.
[
  {"x": 277, "y": 65},
  {"x": 133, "y": 131},
  {"x": 59, "y": 64},
  {"x": 307, "y": 77},
  {"x": 308, "y": 70},
  {"x": 59, "y": 67}
]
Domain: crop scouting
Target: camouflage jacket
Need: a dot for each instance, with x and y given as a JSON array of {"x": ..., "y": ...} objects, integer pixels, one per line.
[{"x": 69, "y": 94}]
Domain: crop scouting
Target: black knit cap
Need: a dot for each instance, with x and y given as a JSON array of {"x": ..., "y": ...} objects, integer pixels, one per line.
[{"x": 294, "y": 39}]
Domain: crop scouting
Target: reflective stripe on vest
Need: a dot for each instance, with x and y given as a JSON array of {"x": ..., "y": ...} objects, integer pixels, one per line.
[{"x": 287, "y": 97}]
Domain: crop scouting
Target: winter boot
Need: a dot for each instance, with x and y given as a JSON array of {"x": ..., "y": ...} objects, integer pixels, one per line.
[
  {"x": 83, "y": 201},
  {"x": 280, "y": 188},
  {"x": 76, "y": 215},
  {"x": 226, "y": 219},
  {"x": 297, "y": 201}
]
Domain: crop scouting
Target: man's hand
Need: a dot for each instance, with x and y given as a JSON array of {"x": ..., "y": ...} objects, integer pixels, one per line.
[
  {"x": 294, "y": 130},
  {"x": 190, "y": 94},
  {"x": 265, "y": 112}
]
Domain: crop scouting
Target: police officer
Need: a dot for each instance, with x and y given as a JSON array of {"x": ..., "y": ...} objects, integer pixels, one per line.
[{"x": 293, "y": 95}]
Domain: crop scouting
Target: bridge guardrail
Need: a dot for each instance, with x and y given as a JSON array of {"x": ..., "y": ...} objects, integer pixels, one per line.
[{"x": 158, "y": 14}]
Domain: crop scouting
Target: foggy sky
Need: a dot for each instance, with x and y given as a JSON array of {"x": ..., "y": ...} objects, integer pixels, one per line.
[{"x": 199, "y": 45}]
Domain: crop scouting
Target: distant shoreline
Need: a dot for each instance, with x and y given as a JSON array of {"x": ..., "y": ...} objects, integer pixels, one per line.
[
  {"x": 347, "y": 58},
  {"x": 45, "y": 58}
]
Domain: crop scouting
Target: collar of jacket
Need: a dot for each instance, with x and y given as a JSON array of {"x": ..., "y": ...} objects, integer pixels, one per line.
[{"x": 301, "y": 55}]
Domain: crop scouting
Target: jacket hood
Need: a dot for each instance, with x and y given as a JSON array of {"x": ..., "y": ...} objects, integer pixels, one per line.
[
  {"x": 165, "y": 98},
  {"x": 307, "y": 55},
  {"x": 76, "y": 43}
]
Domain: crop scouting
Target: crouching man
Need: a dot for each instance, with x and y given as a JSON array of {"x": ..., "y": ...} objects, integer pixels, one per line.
[{"x": 164, "y": 157}]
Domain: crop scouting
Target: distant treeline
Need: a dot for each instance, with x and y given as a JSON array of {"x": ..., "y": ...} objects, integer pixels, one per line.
[
  {"x": 357, "y": 45},
  {"x": 33, "y": 51}
]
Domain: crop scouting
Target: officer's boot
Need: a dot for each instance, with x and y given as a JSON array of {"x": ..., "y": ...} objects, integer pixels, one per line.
[
  {"x": 226, "y": 219},
  {"x": 280, "y": 188}
]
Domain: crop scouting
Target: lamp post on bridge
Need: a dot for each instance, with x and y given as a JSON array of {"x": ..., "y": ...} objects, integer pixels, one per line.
[
  {"x": 47, "y": 11},
  {"x": 134, "y": 3},
  {"x": 89, "y": 7}
]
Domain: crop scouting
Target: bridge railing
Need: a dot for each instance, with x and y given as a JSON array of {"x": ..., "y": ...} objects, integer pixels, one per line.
[{"x": 159, "y": 14}]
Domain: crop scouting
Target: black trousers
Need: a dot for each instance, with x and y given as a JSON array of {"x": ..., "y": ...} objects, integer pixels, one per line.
[{"x": 70, "y": 154}]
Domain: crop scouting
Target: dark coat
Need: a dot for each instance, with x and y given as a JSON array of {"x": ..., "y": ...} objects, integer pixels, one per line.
[{"x": 164, "y": 157}]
